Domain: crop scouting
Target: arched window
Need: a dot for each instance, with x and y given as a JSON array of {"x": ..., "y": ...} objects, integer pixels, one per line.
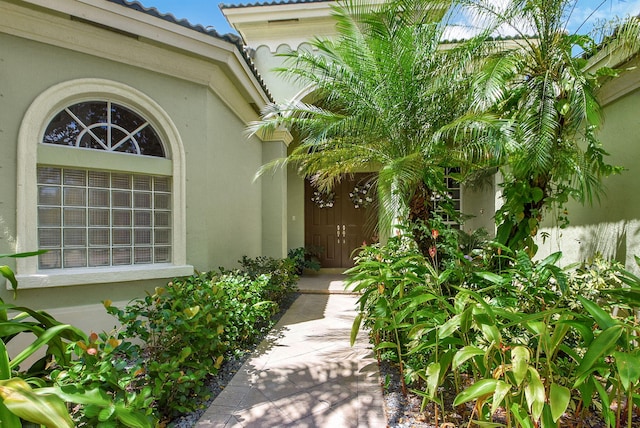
[{"x": 104, "y": 176}]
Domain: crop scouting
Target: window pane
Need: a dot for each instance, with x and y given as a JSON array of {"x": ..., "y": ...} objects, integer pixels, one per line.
[
  {"x": 90, "y": 112},
  {"x": 121, "y": 199},
  {"x": 98, "y": 197},
  {"x": 98, "y": 179},
  {"x": 98, "y": 217},
  {"x": 48, "y": 195},
  {"x": 142, "y": 200},
  {"x": 143, "y": 255},
  {"x": 163, "y": 202},
  {"x": 50, "y": 260},
  {"x": 162, "y": 184},
  {"x": 62, "y": 129},
  {"x": 121, "y": 236},
  {"x": 120, "y": 181},
  {"x": 49, "y": 238},
  {"x": 142, "y": 182},
  {"x": 99, "y": 257},
  {"x": 162, "y": 255},
  {"x": 104, "y": 125},
  {"x": 121, "y": 218},
  {"x": 121, "y": 256},
  {"x": 75, "y": 217},
  {"x": 163, "y": 219},
  {"x": 99, "y": 237},
  {"x": 48, "y": 217},
  {"x": 94, "y": 139},
  {"x": 75, "y": 258},
  {"x": 74, "y": 196},
  {"x": 143, "y": 237},
  {"x": 74, "y": 177},
  {"x": 142, "y": 218},
  {"x": 48, "y": 175},
  {"x": 162, "y": 236},
  {"x": 75, "y": 237},
  {"x": 82, "y": 214}
]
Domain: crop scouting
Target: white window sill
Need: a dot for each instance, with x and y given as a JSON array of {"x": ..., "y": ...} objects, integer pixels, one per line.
[{"x": 70, "y": 277}]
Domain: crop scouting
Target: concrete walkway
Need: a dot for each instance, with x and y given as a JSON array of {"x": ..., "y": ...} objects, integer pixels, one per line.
[{"x": 305, "y": 374}]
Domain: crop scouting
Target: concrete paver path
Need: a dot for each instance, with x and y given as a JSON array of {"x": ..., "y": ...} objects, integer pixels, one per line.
[{"x": 305, "y": 374}]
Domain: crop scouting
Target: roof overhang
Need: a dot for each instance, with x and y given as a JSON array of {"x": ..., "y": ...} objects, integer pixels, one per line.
[{"x": 114, "y": 31}]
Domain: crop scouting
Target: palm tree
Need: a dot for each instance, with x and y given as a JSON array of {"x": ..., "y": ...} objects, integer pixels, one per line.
[
  {"x": 544, "y": 100},
  {"x": 382, "y": 89}
]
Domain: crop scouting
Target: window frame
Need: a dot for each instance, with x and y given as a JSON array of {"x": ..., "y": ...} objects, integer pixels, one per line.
[{"x": 31, "y": 153}]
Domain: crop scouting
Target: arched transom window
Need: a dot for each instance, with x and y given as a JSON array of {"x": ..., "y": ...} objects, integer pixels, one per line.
[
  {"x": 105, "y": 216},
  {"x": 103, "y": 125}
]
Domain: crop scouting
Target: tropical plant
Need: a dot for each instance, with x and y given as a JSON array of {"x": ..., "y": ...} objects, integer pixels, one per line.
[
  {"x": 546, "y": 112},
  {"x": 382, "y": 89}
]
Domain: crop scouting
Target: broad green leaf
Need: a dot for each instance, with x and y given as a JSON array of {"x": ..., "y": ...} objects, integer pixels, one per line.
[
  {"x": 520, "y": 357},
  {"x": 602, "y": 318},
  {"x": 601, "y": 346},
  {"x": 106, "y": 413},
  {"x": 482, "y": 388},
  {"x": 355, "y": 328},
  {"x": 5, "y": 369},
  {"x": 73, "y": 394},
  {"x": 433, "y": 377},
  {"x": 132, "y": 419},
  {"x": 50, "y": 334},
  {"x": 386, "y": 345},
  {"x": 464, "y": 354},
  {"x": 502, "y": 389},
  {"x": 535, "y": 394},
  {"x": 559, "y": 397},
  {"x": 192, "y": 311},
  {"x": 8, "y": 274},
  {"x": 537, "y": 194},
  {"x": 491, "y": 277},
  {"x": 491, "y": 333},
  {"x": 449, "y": 327},
  {"x": 47, "y": 410},
  {"x": 628, "y": 368},
  {"x": 7, "y": 418},
  {"x": 521, "y": 415}
]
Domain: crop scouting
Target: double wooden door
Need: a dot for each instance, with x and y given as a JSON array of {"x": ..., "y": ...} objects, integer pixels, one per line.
[{"x": 336, "y": 225}]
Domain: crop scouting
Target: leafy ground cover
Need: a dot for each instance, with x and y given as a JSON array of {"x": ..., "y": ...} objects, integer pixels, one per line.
[
  {"x": 158, "y": 366},
  {"x": 498, "y": 339}
]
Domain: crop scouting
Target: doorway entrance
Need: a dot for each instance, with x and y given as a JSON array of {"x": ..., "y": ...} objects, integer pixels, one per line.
[{"x": 335, "y": 223}]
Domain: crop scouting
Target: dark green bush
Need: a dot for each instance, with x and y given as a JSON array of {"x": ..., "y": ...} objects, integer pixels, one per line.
[{"x": 188, "y": 328}]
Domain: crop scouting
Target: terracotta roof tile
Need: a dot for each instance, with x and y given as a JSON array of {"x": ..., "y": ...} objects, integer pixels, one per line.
[
  {"x": 269, "y": 3},
  {"x": 231, "y": 38}
]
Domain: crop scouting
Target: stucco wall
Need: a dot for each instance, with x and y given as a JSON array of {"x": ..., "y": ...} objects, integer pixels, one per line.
[
  {"x": 222, "y": 200},
  {"x": 612, "y": 226}
]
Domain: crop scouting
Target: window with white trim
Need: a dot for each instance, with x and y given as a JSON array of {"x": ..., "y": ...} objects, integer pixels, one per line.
[
  {"x": 98, "y": 218},
  {"x": 101, "y": 186}
]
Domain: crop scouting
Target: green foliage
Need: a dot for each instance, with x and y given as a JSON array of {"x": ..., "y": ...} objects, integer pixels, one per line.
[
  {"x": 106, "y": 379},
  {"x": 528, "y": 333},
  {"x": 305, "y": 258},
  {"x": 186, "y": 329}
]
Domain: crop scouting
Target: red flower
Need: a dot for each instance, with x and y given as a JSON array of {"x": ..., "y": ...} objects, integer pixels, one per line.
[
  {"x": 435, "y": 233},
  {"x": 432, "y": 252}
]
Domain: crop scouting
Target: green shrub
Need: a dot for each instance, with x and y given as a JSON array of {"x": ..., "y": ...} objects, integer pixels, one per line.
[
  {"x": 305, "y": 258},
  {"x": 281, "y": 273},
  {"x": 188, "y": 327}
]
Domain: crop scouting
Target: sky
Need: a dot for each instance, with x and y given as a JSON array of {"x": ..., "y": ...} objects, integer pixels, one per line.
[{"x": 208, "y": 14}]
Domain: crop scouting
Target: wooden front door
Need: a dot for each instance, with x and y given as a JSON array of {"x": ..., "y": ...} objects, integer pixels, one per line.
[{"x": 336, "y": 226}]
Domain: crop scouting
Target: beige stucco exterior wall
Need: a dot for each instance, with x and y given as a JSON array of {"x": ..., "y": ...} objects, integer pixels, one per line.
[
  {"x": 611, "y": 227},
  {"x": 223, "y": 203}
]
